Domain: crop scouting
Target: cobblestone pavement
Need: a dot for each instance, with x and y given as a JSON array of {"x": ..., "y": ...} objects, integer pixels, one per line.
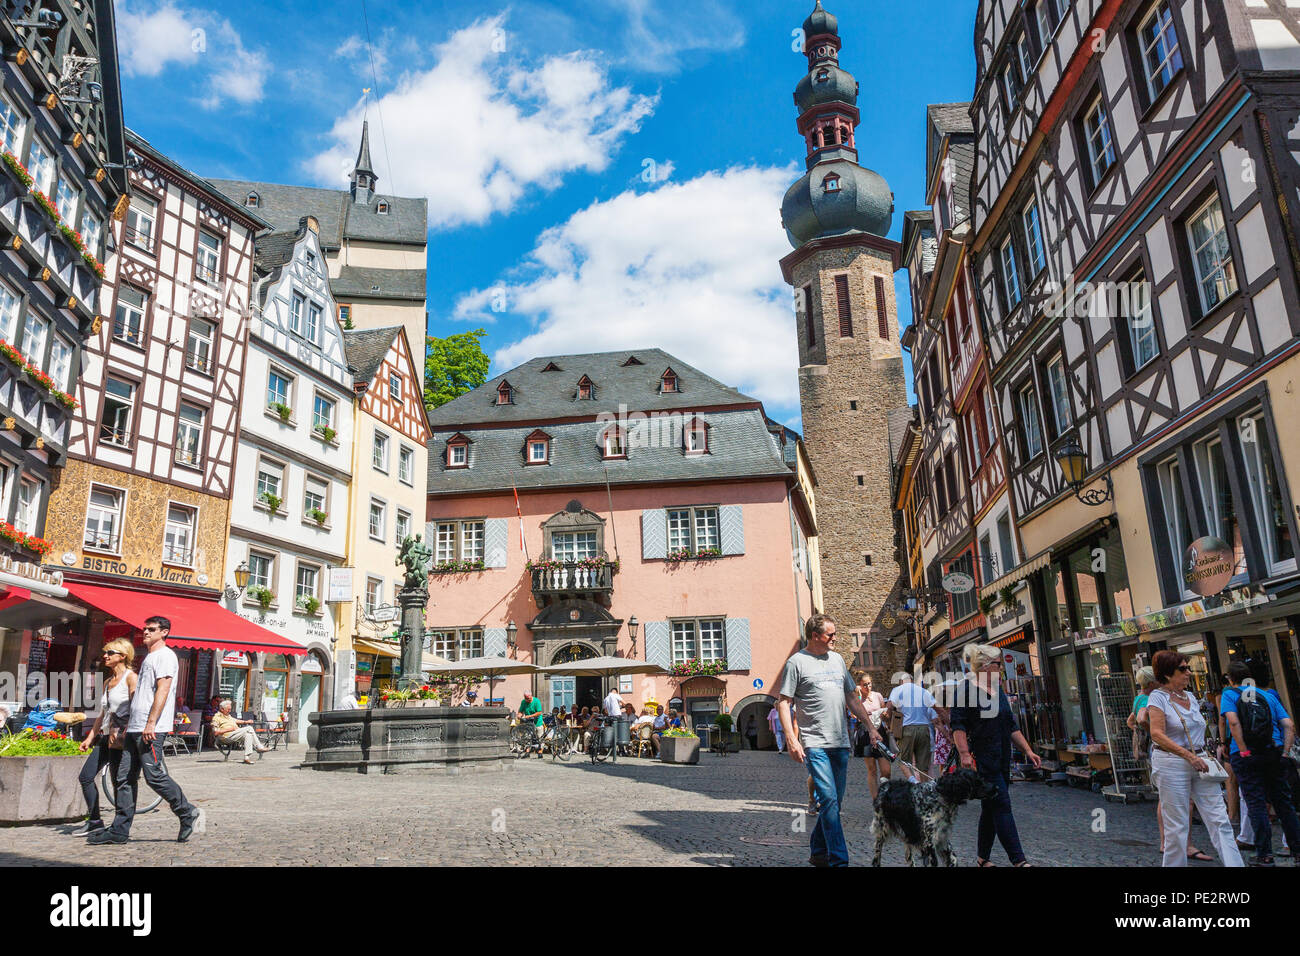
[{"x": 737, "y": 810}]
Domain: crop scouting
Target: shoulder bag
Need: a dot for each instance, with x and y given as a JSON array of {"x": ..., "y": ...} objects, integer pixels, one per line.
[{"x": 1213, "y": 771}]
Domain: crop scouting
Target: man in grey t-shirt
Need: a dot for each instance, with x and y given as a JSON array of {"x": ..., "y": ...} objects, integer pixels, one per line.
[{"x": 817, "y": 678}]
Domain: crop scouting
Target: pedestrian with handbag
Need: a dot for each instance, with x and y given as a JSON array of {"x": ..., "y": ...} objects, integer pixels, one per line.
[
  {"x": 1182, "y": 769},
  {"x": 109, "y": 730},
  {"x": 152, "y": 706}
]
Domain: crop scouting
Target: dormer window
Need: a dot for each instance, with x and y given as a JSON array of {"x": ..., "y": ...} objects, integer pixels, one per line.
[
  {"x": 586, "y": 390},
  {"x": 696, "y": 437},
  {"x": 668, "y": 382},
  {"x": 632, "y": 360},
  {"x": 382, "y": 207},
  {"x": 537, "y": 449},
  {"x": 552, "y": 367},
  {"x": 505, "y": 394},
  {"x": 614, "y": 443},
  {"x": 831, "y": 183},
  {"x": 458, "y": 451},
  {"x": 252, "y": 200}
]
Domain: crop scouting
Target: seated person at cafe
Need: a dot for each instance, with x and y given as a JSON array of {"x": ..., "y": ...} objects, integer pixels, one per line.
[
  {"x": 471, "y": 698},
  {"x": 657, "y": 729},
  {"x": 228, "y": 729},
  {"x": 212, "y": 707},
  {"x": 645, "y": 718}
]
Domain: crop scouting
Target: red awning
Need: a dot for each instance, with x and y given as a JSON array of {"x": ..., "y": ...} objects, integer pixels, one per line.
[
  {"x": 195, "y": 623},
  {"x": 12, "y": 596}
]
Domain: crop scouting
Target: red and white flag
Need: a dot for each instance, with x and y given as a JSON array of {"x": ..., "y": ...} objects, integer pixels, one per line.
[{"x": 519, "y": 511}]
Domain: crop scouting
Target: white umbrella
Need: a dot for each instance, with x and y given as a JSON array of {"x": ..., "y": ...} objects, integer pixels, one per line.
[
  {"x": 490, "y": 667},
  {"x": 603, "y": 667}
]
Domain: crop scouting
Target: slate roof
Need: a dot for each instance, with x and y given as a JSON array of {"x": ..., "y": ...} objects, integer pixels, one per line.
[
  {"x": 740, "y": 443},
  {"x": 357, "y": 282},
  {"x": 950, "y": 117},
  {"x": 366, "y": 349},
  {"x": 899, "y": 419},
  {"x": 740, "y": 446},
  {"x": 339, "y": 217},
  {"x": 273, "y": 249},
  {"x": 540, "y": 395}
]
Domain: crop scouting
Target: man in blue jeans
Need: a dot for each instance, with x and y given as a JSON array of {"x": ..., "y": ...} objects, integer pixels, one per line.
[{"x": 818, "y": 679}]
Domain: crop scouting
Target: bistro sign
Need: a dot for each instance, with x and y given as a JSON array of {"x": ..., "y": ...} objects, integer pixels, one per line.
[{"x": 1238, "y": 599}]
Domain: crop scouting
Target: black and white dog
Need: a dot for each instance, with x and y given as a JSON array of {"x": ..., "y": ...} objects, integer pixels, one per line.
[{"x": 922, "y": 814}]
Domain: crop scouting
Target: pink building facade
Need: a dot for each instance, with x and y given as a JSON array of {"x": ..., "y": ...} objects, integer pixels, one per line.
[{"x": 700, "y": 537}]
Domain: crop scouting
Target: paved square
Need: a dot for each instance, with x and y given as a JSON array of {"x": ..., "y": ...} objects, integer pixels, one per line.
[{"x": 735, "y": 810}]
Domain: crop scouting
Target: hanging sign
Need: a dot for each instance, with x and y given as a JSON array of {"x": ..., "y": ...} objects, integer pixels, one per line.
[
  {"x": 235, "y": 659},
  {"x": 340, "y": 585},
  {"x": 1208, "y": 566},
  {"x": 958, "y": 582}
]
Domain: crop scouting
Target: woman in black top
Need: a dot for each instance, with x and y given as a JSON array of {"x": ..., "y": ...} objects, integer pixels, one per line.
[{"x": 984, "y": 731}]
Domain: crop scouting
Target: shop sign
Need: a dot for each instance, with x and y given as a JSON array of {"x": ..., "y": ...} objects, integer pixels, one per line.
[
  {"x": 1208, "y": 566},
  {"x": 30, "y": 571},
  {"x": 234, "y": 659},
  {"x": 143, "y": 572},
  {"x": 384, "y": 614},
  {"x": 340, "y": 585},
  {"x": 958, "y": 582},
  {"x": 311, "y": 665},
  {"x": 967, "y": 627}
]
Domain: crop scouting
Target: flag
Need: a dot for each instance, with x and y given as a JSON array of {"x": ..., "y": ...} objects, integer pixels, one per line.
[{"x": 519, "y": 511}]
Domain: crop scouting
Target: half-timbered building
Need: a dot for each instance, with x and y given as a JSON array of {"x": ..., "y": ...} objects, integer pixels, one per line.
[
  {"x": 1136, "y": 261},
  {"x": 289, "y": 525},
  {"x": 390, "y": 469},
  {"x": 61, "y": 178}
]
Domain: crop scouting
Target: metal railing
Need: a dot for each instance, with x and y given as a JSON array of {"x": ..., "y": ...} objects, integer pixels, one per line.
[
  {"x": 143, "y": 240},
  {"x": 123, "y": 333},
  {"x": 181, "y": 556},
  {"x": 102, "y": 542},
  {"x": 571, "y": 576},
  {"x": 111, "y": 435},
  {"x": 197, "y": 362}
]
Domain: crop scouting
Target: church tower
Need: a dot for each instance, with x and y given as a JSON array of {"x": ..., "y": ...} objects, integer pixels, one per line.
[
  {"x": 837, "y": 217},
  {"x": 363, "y": 176}
]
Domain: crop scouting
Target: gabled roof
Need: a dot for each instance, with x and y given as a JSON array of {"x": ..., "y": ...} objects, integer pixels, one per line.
[
  {"x": 366, "y": 349},
  {"x": 539, "y": 396},
  {"x": 339, "y": 217},
  {"x": 139, "y": 144},
  {"x": 358, "y": 282}
]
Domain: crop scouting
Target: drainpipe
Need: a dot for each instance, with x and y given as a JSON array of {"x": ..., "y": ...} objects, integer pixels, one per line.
[{"x": 349, "y": 540}]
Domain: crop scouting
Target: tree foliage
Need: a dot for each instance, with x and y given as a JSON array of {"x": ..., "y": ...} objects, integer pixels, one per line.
[{"x": 453, "y": 366}]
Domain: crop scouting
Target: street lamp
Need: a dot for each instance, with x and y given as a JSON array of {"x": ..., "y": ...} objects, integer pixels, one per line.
[
  {"x": 1074, "y": 466},
  {"x": 242, "y": 574},
  {"x": 512, "y": 634},
  {"x": 632, "y": 625}
]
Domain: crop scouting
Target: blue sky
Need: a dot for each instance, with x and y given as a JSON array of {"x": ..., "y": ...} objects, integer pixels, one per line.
[{"x": 600, "y": 176}]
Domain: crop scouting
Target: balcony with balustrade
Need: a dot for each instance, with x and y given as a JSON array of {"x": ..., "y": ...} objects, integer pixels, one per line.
[{"x": 590, "y": 579}]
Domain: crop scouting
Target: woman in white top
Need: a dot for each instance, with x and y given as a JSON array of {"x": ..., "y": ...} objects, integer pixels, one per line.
[
  {"x": 1178, "y": 759},
  {"x": 114, "y": 705}
]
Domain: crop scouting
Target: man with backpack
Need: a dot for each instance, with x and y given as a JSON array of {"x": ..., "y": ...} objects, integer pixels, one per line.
[{"x": 1261, "y": 732}]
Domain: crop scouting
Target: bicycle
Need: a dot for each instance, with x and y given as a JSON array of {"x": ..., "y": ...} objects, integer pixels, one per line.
[
  {"x": 108, "y": 785},
  {"x": 603, "y": 743},
  {"x": 560, "y": 741},
  {"x": 524, "y": 739}
]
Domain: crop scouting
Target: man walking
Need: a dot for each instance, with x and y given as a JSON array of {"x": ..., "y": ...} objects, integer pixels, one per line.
[
  {"x": 152, "y": 706},
  {"x": 1262, "y": 732},
  {"x": 817, "y": 678},
  {"x": 917, "y": 707}
]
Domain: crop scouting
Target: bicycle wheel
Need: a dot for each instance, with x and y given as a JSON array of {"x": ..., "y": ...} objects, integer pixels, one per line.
[
  {"x": 561, "y": 746},
  {"x": 110, "y": 791}
]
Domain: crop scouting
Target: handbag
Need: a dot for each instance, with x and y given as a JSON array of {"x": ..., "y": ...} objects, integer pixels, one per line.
[
  {"x": 1213, "y": 771},
  {"x": 116, "y": 736}
]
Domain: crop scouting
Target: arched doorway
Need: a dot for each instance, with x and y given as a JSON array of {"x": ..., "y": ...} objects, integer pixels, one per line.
[
  {"x": 751, "y": 715},
  {"x": 275, "y": 688},
  {"x": 310, "y": 691},
  {"x": 568, "y": 692}
]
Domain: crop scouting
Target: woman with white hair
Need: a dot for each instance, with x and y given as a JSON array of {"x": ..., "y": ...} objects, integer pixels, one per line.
[{"x": 984, "y": 731}]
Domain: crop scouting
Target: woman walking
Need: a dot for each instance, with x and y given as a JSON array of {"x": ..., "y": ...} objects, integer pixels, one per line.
[
  {"x": 1177, "y": 761},
  {"x": 984, "y": 731},
  {"x": 873, "y": 756},
  {"x": 109, "y": 730}
]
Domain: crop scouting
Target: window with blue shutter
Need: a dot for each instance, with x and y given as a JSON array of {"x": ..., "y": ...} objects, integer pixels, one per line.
[
  {"x": 496, "y": 537},
  {"x": 494, "y": 642}
]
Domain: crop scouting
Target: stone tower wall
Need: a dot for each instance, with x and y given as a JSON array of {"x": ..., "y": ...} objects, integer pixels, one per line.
[{"x": 853, "y": 519}]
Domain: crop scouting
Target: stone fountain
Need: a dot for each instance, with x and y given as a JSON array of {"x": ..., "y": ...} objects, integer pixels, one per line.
[{"x": 414, "y": 737}]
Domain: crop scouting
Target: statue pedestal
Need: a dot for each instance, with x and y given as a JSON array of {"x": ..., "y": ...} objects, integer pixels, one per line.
[
  {"x": 412, "y": 602},
  {"x": 442, "y": 740}
]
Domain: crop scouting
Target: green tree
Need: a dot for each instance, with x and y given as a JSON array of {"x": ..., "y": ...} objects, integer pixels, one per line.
[{"x": 453, "y": 366}]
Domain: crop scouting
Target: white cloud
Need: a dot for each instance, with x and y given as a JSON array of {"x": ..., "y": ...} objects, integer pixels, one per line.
[
  {"x": 689, "y": 267},
  {"x": 659, "y": 32},
  {"x": 149, "y": 41},
  {"x": 153, "y": 37},
  {"x": 358, "y": 57},
  {"x": 480, "y": 127}
]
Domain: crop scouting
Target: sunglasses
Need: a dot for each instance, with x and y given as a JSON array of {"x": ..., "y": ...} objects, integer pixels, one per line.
[{"x": 1185, "y": 668}]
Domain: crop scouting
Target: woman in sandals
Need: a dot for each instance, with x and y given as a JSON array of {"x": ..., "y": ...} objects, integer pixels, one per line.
[
  {"x": 109, "y": 728},
  {"x": 1178, "y": 759}
]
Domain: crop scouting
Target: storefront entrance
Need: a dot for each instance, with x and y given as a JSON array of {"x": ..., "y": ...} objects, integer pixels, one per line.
[
  {"x": 234, "y": 680},
  {"x": 309, "y": 699}
]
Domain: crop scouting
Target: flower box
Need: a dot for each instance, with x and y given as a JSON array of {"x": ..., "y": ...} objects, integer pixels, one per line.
[
  {"x": 682, "y": 750},
  {"x": 413, "y": 703},
  {"x": 40, "y": 790}
]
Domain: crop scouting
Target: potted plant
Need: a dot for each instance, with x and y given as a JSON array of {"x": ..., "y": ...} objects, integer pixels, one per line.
[
  {"x": 318, "y": 516},
  {"x": 422, "y": 696},
  {"x": 325, "y": 433},
  {"x": 727, "y": 741},
  {"x": 1008, "y": 596},
  {"x": 679, "y": 745},
  {"x": 986, "y": 603},
  {"x": 283, "y": 410},
  {"x": 270, "y": 500},
  {"x": 309, "y": 603},
  {"x": 38, "y": 778},
  {"x": 261, "y": 595}
]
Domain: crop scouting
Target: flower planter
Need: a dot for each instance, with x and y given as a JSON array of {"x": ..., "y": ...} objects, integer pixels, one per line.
[
  {"x": 685, "y": 750},
  {"x": 413, "y": 703},
  {"x": 40, "y": 789}
]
